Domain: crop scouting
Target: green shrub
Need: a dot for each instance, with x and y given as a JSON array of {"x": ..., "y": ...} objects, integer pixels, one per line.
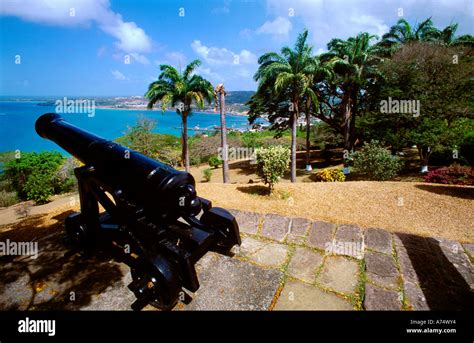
[
  {"x": 207, "y": 173},
  {"x": 39, "y": 188},
  {"x": 272, "y": 163},
  {"x": 376, "y": 162},
  {"x": 214, "y": 161},
  {"x": 33, "y": 175},
  {"x": 168, "y": 156},
  {"x": 7, "y": 198},
  {"x": 330, "y": 175}
]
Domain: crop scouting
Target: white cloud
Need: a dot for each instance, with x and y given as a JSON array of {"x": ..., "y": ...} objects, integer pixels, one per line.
[
  {"x": 223, "y": 9},
  {"x": 321, "y": 51},
  {"x": 140, "y": 58},
  {"x": 215, "y": 55},
  {"x": 101, "y": 51},
  {"x": 208, "y": 73},
  {"x": 118, "y": 75},
  {"x": 374, "y": 25},
  {"x": 246, "y": 33},
  {"x": 224, "y": 65},
  {"x": 130, "y": 37},
  {"x": 280, "y": 27},
  {"x": 345, "y": 18},
  {"x": 176, "y": 58}
]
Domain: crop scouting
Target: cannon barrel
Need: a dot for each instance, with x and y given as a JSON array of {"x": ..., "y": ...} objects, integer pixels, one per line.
[{"x": 163, "y": 192}]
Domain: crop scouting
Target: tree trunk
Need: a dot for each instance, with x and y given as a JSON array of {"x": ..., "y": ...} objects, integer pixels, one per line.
[
  {"x": 424, "y": 154},
  {"x": 347, "y": 125},
  {"x": 295, "y": 116},
  {"x": 308, "y": 144},
  {"x": 352, "y": 131},
  {"x": 225, "y": 148},
  {"x": 185, "y": 151}
]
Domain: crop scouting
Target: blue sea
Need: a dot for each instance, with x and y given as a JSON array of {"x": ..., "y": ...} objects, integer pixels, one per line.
[{"x": 17, "y": 123}]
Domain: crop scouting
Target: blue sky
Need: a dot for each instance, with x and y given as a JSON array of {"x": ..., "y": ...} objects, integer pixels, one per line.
[{"x": 101, "y": 47}]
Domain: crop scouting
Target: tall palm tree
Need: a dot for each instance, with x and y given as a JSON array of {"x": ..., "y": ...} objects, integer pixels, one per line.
[
  {"x": 354, "y": 61},
  {"x": 180, "y": 90},
  {"x": 403, "y": 32},
  {"x": 220, "y": 94},
  {"x": 289, "y": 74},
  {"x": 447, "y": 36}
]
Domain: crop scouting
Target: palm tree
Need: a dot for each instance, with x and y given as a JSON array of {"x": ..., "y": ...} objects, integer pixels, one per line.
[
  {"x": 289, "y": 75},
  {"x": 220, "y": 94},
  {"x": 447, "y": 36},
  {"x": 403, "y": 33},
  {"x": 355, "y": 62},
  {"x": 180, "y": 89}
]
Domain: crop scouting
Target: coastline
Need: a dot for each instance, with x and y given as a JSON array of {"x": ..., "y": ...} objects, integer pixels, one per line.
[{"x": 144, "y": 108}]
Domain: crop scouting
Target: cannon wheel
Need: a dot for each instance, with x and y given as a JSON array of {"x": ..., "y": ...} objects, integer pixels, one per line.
[
  {"x": 162, "y": 276},
  {"x": 78, "y": 234}
]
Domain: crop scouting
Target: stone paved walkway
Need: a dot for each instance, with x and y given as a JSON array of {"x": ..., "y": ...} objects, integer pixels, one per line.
[{"x": 282, "y": 264}]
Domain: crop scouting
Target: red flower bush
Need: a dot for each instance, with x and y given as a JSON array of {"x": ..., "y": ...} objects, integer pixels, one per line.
[{"x": 452, "y": 175}]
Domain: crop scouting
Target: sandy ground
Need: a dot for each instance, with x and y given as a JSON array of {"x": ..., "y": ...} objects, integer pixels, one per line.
[{"x": 418, "y": 208}]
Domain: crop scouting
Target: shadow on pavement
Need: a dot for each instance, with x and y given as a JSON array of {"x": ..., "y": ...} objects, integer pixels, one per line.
[
  {"x": 46, "y": 282},
  {"x": 442, "y": 284}
]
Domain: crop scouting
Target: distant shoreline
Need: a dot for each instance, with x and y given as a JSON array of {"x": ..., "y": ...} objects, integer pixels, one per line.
[{"x": 102, "y": 107}]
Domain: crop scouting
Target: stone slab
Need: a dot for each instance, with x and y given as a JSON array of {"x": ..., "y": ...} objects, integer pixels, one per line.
[
  {"x": 275, "y": 227},
  {"x": 304, "y": 264},
  {"x": 379, "y": 299},
  {"x": 248, "y": 221},
  {"x": 381, "y": 269},
  {"x": 267, "y": 254},
  {"x": 300, "y": 296},
  {"x": 352, "y": 239},
  {"x": 231, "y": 284},
  {"x": 415, "y": 297},
  {"x": 339, "y": 274},
  {"x": 320, "y": 235},
  {"x": 298, "y": 229},
  {"x": 378, "y": 240}
]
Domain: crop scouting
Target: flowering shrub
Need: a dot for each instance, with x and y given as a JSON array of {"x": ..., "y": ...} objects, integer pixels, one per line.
[
  {"x": 452, "y": 175},
  {"x": 330, "y": 175}
]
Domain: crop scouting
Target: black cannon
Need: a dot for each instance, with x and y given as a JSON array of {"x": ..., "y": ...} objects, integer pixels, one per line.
[{"x": 152, "y": 212}]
